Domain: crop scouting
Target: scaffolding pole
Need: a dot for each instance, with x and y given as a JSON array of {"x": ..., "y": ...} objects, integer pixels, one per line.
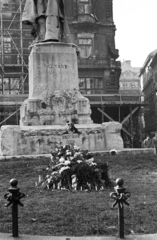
[
  {"x": 9, "y": 116},
  {"x": 22, "y": 76}
]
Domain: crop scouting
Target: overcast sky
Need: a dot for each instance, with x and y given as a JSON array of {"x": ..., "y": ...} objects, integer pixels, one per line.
[{"x": 136, "y": 34}]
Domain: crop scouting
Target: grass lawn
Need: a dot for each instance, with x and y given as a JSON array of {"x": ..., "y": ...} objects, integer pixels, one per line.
[{"x": 64, "y": 213}]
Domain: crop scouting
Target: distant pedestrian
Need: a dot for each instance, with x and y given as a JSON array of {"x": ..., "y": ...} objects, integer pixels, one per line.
[
  {"x": 148, "y": 143},
  {"x": 154, "y": 142}
]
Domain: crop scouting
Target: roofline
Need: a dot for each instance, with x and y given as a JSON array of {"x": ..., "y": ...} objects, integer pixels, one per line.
[
  {"x": 149, "y": 57},
  {"x": 153, "y": 63}
]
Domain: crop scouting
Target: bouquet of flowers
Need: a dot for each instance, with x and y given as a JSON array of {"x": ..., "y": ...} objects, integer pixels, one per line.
[{"x": 74, "y": 169}]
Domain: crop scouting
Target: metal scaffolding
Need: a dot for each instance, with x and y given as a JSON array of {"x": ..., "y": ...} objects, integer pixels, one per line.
[{"x": 15, "y": 40}]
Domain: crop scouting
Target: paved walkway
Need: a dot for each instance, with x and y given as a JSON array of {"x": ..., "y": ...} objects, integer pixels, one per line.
[{"x": 4, "y": 236}]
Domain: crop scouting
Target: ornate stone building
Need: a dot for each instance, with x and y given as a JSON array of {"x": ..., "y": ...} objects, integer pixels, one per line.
[
  {"x": 129, "y": 79},
  {"x": 148, "y": 74},
  {"x": 93, "y": 31}
]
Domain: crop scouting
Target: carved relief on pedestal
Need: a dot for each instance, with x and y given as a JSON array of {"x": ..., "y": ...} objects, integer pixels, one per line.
[
  {"x": 56, "y": 108},
  {"x": 54, "y": 97}
]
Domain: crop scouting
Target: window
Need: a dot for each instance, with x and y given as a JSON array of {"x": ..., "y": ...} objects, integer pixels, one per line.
[
  {"x": 125, "y": 85},
  {"x": 1, "y": 87},
  {"x": 133, "y": 85},
  {"x": 85, "y": 45},
  {"x": 84, "y": 7},
  {"x": 127, "y": 74},
  {"x": 0, "y": 44},
  {"x": 91, "y": 85},
  {"x": 7, "y": 44},
  {"x": 156, "y": 77},
  {"x": 10, "y": 85},
  {"x": 82, "y": 84},
  {"x": 5, "y": 5},
  {"x": 98, "y": 83},
  {"x": 6, "y": 86},
  {"x": 121, "y": 85},
  {"x": 14, "y": 85}
]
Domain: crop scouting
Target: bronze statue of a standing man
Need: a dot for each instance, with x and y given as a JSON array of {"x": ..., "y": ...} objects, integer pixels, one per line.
[{"x": 47, "y": 19}]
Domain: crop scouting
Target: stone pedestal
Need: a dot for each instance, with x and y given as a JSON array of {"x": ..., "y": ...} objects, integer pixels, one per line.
[
  {"x": 54, "y": 98},
  {"x": 33, "y": 140},
  {"x": 54, "y": 95}
]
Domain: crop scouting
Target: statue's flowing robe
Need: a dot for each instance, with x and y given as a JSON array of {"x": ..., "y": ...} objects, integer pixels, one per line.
[{"x": 48, "y": 20}]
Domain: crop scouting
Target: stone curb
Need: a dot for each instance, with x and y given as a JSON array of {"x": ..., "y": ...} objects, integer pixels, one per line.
[
  {"x": 7, "y": 236},
  {"x": 123, "y": 152},
  {"x": 26, "y": 157}
]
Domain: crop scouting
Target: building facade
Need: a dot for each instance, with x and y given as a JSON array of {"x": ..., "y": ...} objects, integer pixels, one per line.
[
  {"x": 130, "y": 86},
  {"x": 148, "y": 74},
  {"x": 129, "y": 79},
  {"x": 93, "y": 31}
]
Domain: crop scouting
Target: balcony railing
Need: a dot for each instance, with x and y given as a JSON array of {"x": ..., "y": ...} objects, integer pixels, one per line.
[
  {"x": 112, "y": 99},
  {"x": 97, "y": 62},
  {"x": 92, "y": 62}
]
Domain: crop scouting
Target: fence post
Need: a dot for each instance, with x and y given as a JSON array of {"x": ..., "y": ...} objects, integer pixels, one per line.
[
  {"x": 120, "y": 196},
  {"x": 13, "y": 197}
]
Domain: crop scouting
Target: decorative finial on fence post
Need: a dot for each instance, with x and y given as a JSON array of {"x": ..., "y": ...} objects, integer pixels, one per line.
[
  {"x": 13, "y": 197},
  {"x": 120, "y": 196}
]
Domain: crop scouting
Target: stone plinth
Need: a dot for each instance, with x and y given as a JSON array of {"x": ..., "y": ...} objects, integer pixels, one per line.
[
  {"x": 33, "y": 140},
  {"x": 52, "y": 66},
  {"x": 54, "y": 95}
]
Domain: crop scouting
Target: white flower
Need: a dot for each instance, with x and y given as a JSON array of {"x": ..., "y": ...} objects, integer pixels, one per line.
[
  {"x": 90, "y": 161},
  {"x": 62, "y": 160},
  {"x": 79, "y": 161},
  {"x": 67, "y": 162},
  {"x": 93, "y": 164},
  {"x": 54, "y": 173},
  {"x": 76, "y": 147},
  {"x": 77, "y": 154},
  {"x": 49, "y": 180},
  {"x": 68, "y": 153},
  {"x": 63, "y": 169}
]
